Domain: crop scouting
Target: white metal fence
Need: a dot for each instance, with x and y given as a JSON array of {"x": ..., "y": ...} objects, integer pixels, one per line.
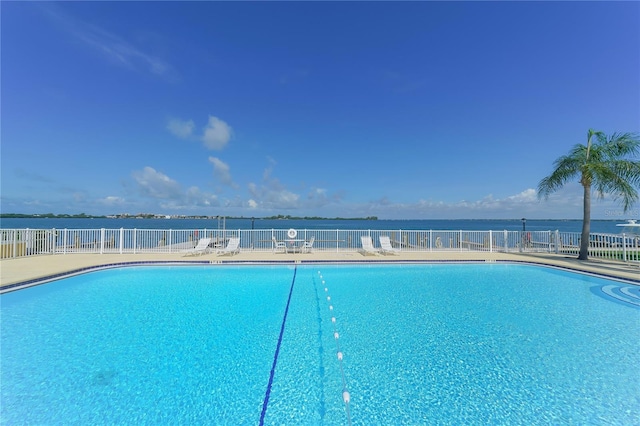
[{"x": 30, "y": 242}]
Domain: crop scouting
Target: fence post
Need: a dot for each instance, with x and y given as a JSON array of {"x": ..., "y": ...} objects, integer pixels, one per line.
[
  {"x": 558, "y": 242},
  {"x": 14, "y": 250},
  {"x": 430, "y": 240},
  {"x": 490, "y": 241},
  {"x": 521, "y": 241},
  {"x": 121, "y": 239},
  {"x": 624, "y": 247},
  {"x": 506, "y": 241},
  {"x": 102, "y": 240}
]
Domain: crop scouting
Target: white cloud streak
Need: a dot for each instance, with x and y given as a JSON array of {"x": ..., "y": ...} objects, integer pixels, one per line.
[{"x": 114, "y": 48}]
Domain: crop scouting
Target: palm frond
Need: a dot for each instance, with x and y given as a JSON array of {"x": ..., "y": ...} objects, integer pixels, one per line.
[
  {"x": 620, "y": 145},
  {"x": 567, "y": 168},
  {"x": 628, "y": 170},
  {"x": 618, "y": 178},
  {"x": 602, "y": 164}
]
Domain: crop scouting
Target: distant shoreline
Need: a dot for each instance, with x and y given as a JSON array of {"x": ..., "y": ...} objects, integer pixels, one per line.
[
  {"x": 277, "y": 217},
  {"x": 155, "y": 216}
]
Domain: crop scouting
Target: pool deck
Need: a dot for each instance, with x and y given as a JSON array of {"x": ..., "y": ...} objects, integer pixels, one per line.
[{"x": 46, "y": 267}]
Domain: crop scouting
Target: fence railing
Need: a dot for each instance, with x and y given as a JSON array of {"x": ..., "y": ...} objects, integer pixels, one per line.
[{"x": 30, "y": 242}]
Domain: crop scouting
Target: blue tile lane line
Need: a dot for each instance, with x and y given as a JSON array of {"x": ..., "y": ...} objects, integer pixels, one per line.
[{"x": 275, "y": 356}]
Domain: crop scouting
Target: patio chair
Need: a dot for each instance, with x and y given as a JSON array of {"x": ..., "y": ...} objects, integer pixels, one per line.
[
  {"x": 279, "y": 246},
  {"x": 367, "y": 246},
  {"x": 233, "y": 247},
  {"x": 386, "y": 247},
  {"x": 200, "y": 248},
  {"x": 307, "y": 246}
]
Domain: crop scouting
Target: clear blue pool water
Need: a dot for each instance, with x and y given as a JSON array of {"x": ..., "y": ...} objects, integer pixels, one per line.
[{"x": 422, "y": 344}]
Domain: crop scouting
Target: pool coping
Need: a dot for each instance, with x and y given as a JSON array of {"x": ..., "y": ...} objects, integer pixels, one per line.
[
  {"x": 92, "y": 268},
  {"x": 66, "y": 274}
]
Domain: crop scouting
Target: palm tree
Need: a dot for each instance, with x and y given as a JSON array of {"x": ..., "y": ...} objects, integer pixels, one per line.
[{"x": 603, "y": 164}]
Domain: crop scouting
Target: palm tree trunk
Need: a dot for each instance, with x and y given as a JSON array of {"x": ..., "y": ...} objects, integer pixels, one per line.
[{"x": 586, "y": 224}]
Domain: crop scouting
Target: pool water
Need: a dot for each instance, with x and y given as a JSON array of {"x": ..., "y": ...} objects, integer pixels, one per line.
[{"x": 422, "y": 344}]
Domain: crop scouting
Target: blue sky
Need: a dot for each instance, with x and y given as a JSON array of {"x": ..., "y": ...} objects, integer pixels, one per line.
[{"x": 401, "y": 110}]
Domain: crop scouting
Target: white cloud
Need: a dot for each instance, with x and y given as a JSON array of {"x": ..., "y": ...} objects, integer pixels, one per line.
[
  {"x": 217, "y": 133},
  {"x": 215, "y": 136},
  {"x": 181, "y": 129},
  {"x": 527, "y": 196},
  {"x": 222, "y": 171},
  {"x": 156, "y": 184},
  {"x": 112, "y": 200}
]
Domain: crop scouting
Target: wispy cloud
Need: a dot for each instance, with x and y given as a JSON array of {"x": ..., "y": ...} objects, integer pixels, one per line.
[
  {"x": 402, "y": 83},
  {"x": 181, "y": 129},
  {"x": 117, "y": 50},
  {"x": 271, "y": 193},
  {"x": 222, "y": 172},
  {"x": 155, "y": 185},
  {"x": 294, "y": 75},
  {"x": 194, "y": 198},
  {"x": 30, "y": 175},
  {"x": 565, "y": 204}
]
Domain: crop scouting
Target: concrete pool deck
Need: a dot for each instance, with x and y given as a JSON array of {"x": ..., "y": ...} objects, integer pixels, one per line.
[{"x": 34, "y": 268}]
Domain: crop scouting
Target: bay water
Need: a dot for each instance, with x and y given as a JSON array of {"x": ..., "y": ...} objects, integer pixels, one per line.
[{"x": 597, "y": 226}]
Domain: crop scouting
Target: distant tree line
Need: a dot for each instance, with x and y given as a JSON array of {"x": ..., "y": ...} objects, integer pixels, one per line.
[
  {"x": 289, "y": 217},
  {"x": 84, "y": 215},
  {"x": 49, "y": 216}
]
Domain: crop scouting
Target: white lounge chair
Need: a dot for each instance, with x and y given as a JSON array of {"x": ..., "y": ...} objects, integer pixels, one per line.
[
  {"x": 386, "y": 247},
  {"x": 233, "y": 247},
  {"x": 200, "y": 248},
  {"x": 307, "y": 246},
  {"x": 279, "y": 246},
  {"x": 367, "y": 246}
]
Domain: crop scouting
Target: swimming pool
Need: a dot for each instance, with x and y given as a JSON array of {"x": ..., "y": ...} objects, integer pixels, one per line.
[{"x": 422, "y": 344}]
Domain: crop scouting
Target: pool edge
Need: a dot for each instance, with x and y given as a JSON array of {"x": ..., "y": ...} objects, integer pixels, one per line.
[{"x": 92, "y": 268}]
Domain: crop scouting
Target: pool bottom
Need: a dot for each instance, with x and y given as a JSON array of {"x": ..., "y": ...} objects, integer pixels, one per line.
[{"x": 422, "y": 344}]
